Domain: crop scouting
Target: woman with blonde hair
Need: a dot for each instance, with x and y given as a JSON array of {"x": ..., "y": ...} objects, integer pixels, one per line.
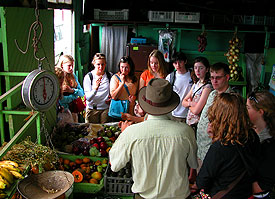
[
  {"x": 71, "y": 88},
  {"x": 261, "y": 110},
  {"x": 96, "y": 85},
  {"x": 157, "y": 68},
  {"x": 232, "y": 157}
]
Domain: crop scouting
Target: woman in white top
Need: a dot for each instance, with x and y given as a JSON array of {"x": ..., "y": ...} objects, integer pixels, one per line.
[
  {"x": 97, "y": 89},
  {"x": 197, "y": 96}
]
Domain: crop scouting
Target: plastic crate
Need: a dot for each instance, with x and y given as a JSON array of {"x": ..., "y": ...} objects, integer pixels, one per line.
[
  {"x": 111, "y": 14},
  {"x": 85, "y": 187},
  {"x": 161, "y": 16},
  {"x": 187, "y": 17},
  {"x": 117, "y": 185}
]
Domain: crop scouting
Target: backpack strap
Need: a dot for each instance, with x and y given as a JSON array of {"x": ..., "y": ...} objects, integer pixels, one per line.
[
  {"x": 125, "y": 86},
  {"x": 108, "y": 74},
  {"x": 172, "y": 77}
]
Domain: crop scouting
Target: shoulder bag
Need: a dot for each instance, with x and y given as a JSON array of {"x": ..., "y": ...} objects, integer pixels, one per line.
[{"x": 119, "y": 106}]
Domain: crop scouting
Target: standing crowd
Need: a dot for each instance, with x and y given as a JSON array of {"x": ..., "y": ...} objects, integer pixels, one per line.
[{"x": 186, "y": 133}]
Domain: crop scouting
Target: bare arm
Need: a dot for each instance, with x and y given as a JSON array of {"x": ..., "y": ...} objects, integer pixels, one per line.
[
  {"x": 116, "y": 87},
  {"x": 141, "y": 83},
  {"x": 196, "y": 108},
  {"x": 186, "y": 100}
]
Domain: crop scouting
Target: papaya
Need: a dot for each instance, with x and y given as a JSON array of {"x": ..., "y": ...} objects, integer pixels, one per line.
[{"x": 78, "y": 175}]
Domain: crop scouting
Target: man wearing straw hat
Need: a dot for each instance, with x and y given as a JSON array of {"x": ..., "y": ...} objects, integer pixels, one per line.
[{"x": 159, "y": 149}]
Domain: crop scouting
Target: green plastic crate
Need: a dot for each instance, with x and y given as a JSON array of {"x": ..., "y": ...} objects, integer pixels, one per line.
[{"x": 85, "y": 187}]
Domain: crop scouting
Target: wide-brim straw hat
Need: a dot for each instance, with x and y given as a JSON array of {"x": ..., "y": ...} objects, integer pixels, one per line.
[
  {"x": 158, "y": 97},
  {"x": 47, "y": 185}
]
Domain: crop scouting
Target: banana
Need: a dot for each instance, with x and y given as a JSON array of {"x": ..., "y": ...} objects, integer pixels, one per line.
[
  {"x": 6, "y": 175},
  {"x": 3, "y": 195},
  {"x": 2, "y": 185},
  {"x": 5, "y": 182},
  {"x": 15, "y": 164},
  {"x": 9, "y": 167},
  {"x": 16, "y": 174}
]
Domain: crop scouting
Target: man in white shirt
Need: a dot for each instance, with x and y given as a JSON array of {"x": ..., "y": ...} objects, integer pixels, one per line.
[
  {"x": 159, "y": 149},
  {"x": 181, "y": 81}
]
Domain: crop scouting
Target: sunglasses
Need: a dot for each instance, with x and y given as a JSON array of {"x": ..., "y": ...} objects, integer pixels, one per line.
[
  {"x": 252, "y": 96},
  {"x": 124, "y": 59},
  {"x": 99, "y": 55}
]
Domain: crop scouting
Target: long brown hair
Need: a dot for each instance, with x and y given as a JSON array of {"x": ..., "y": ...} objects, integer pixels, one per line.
[
  {"x": 229, "y": 119},
  {"x": 266, "y": 101},
  {"x": 162, "y": 64}
]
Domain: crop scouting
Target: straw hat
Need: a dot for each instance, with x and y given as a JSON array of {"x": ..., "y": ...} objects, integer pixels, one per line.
[
  {"x": 158, "y": 97},
  {"x": 47, "y": 185}
]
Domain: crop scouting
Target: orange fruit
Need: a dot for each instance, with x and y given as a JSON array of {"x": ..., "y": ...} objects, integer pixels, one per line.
[
  {"x": 93, "y": 181},
  {"x": 78, "y": 161},
  {"x": 105, "y": 161},
  {"x": 86, "y": 160},
  {"x": 72, "y": 164},
  {"x": 66, "y": 161},
  {"x": 96, "y": 175},
  {"x": 98, "y": 162}
]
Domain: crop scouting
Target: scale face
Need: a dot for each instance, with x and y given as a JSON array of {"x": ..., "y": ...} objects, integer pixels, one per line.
[{"x": 40, "y": 90}]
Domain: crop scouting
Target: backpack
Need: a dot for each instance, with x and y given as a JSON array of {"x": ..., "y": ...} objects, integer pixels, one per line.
[
  {"x": 109, "y": 75},
  {"x": 173, "y": 77}
]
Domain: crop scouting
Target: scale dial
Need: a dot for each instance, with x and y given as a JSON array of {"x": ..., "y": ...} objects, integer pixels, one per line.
[{"x": 40, "y": 90}]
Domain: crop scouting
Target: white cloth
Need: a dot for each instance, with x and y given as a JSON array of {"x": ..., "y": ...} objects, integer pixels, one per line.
[
  {"x": 96, "y": 97},
  {"x": 113, "y": 45},
  {"x": 182, "y": 86},
  {"x": 159, "y": 150}
]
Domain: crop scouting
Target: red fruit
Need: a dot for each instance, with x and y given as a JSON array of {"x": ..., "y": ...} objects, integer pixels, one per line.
[
  {"x": 96, "y": 145},
  {"x": 100, "y": 139},
  {"x": 93, "y": 140},
  {"x": 103, "y": 145},
  {"x": 103, "y": 153}
]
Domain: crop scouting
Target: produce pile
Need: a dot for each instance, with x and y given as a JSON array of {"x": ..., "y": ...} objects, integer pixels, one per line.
[
  {"x": 233, "y": 58},
  {"x": 85, "y": 170},
  {"x": 85, "y": 139},
  {"x": 28, "y": 153}
]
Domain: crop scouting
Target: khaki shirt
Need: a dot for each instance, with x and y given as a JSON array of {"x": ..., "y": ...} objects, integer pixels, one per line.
[{"x": 159, "y": 150}]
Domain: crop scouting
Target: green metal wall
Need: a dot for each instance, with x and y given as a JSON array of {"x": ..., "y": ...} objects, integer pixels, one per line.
[{"x": 17, "y": 24}]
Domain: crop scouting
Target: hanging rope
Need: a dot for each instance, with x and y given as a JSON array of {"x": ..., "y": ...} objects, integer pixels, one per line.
[{"x": 35, "y": 26}]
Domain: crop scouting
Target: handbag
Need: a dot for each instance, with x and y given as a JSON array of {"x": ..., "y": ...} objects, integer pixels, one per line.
[
  {"x": 77, "y": 105},
  {"x": 119, "y": 106}
]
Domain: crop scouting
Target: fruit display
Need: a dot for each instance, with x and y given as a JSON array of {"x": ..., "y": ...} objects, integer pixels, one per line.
[
  {"x": 233, "y": 58},
  {"x": 123, "y": 177},
  {"x": 9, "y": 172},
  {"x": 96, "y": 142},
  {"x": 202, "y": 42},
  {"x": 84, "y": 169}
]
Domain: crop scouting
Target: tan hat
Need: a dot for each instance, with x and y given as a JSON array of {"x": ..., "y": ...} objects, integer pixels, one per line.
[
  {"x": 158, "y": 97},
  {"x": 47, "y": 185}
]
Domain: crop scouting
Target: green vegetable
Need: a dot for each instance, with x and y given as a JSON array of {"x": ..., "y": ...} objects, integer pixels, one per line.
[{"x": 94, "y": 152}]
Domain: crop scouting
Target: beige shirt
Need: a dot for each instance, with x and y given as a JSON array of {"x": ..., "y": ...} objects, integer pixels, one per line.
[{"x": 159, "y": 150}]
